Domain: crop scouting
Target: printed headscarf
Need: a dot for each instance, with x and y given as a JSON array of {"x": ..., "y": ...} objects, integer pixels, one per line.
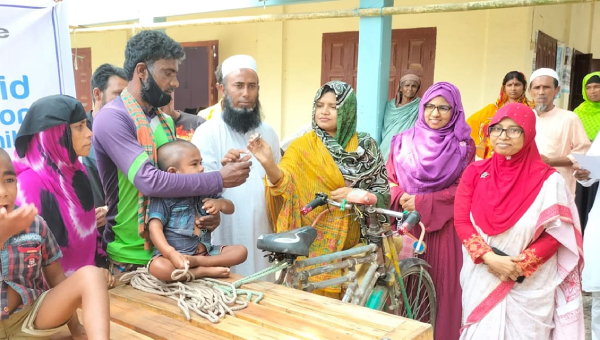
[{"x": 363, "y": 168}]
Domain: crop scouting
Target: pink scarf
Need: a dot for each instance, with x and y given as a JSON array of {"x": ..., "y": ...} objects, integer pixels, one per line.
[{"x": 57, "y": 183}]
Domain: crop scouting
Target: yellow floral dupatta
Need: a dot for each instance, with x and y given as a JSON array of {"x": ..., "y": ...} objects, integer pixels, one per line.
[{"x": 307, "y": 168}]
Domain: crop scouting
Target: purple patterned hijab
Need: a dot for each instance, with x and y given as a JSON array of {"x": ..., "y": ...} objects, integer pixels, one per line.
[{"x": 428, "y": 160}]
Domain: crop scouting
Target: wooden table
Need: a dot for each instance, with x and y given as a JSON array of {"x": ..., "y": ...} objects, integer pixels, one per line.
[{"x": 283, "y": 313}]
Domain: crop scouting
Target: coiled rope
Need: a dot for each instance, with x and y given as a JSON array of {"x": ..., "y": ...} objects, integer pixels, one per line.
[{"x": 209, "y": 298}]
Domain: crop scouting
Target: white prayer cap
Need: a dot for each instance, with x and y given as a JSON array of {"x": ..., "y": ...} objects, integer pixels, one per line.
[
  {"x": 238, "y": 62},
  {"x": 544, "y": 72}
]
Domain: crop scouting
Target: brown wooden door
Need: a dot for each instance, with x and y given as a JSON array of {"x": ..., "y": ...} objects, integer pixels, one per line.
[
  {"x": 196, "y": 76},
  {"x": 82, "y": 69},
  {"x": 545, "y": 51},
  {"x": 339, "y": 60},
  {"x": 582, "y": 65},
  {"x": 412, "y": 50},
  {"x": 595, "y": 65}
]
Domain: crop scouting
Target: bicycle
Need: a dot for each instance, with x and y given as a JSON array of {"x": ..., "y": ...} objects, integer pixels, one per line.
[{"x": 384, "y": 286}]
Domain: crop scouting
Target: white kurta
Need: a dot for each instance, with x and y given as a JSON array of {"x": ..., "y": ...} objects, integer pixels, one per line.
[
  {"x": 214, "y": 138},
  {"x": 591, "y": 239}
]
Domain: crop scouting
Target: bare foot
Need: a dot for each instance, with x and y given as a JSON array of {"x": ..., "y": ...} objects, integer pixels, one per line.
[{"x": 215, "y": 272}]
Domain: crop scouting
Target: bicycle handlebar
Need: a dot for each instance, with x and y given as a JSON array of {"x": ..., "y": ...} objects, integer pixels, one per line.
[
  {"x": 317, "y": 202},
  {"x": 409, "y": 220},
  {"x": 321, "y": 199}
]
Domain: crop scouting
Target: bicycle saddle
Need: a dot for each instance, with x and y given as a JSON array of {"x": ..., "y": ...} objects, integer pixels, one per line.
[
  {"x": 293, "y": 242},
  {"x": 359, "y": 196}
]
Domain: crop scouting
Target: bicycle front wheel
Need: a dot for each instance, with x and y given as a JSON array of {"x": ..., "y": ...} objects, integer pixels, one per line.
[{"x": 420, "y": 294}]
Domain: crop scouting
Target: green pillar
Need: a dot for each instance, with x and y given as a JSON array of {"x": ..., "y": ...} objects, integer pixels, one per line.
[{"x": 374, "y": 43}]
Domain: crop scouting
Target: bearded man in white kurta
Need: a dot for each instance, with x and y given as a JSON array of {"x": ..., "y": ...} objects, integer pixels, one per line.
[{"x": 222, "y": 140}]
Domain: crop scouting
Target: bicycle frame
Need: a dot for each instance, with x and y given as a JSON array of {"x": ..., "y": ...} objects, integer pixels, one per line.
[{"x": 379, "y": 246}]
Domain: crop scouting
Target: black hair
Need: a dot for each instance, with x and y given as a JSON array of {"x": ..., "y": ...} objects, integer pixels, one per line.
[
  {"x": 515, "y": 75},
  {"x": 219, "y": 74},
  {"x": 148, "y": 47},
  {"x": 102, "y": 74},
  {"x": 169, "y": 154},
  {"x": 595, "y": 79},
  {"x": 327, "y": 89}
]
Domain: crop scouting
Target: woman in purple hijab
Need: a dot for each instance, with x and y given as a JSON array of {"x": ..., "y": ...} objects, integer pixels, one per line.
[{"x": 424, "y": 167}]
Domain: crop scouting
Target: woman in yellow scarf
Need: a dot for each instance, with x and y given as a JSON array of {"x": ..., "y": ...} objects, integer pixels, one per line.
[
  {"x": 513, "y": 90},
  {"x": 333, "y": 158}
]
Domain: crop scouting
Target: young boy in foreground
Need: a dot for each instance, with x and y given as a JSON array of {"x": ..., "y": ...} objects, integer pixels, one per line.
[
  {"x": 172, "y": 228},
  {"x": 29, "y": 312}
]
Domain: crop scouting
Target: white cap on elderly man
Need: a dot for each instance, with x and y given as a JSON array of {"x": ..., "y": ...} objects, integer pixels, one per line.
[
  {"x": 238, "y": 62},
  {"x": 544, "y": 72}
]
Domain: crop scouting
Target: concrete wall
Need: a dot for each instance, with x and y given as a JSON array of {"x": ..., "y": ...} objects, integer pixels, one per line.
[
  {"x": 595, "y": 48},
  {"x": 474, "y": 49},
  {"x": 106, "y": 47}
]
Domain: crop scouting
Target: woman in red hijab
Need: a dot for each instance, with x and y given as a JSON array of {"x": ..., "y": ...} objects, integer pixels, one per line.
[{"x": 515, "y": 204}]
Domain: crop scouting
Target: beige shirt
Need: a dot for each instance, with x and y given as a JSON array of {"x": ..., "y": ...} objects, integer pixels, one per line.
[{"x": 560, "y": 133}]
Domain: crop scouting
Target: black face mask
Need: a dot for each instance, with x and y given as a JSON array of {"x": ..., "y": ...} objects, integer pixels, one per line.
[{"x": 152, "y": 93}]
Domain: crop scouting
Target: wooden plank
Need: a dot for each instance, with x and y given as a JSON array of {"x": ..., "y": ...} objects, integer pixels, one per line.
[
  {"x": 415, "y": 332},
  {"x": 326, "y": 306},
  {"x": 327, "y": 317},
  {"x": 283, "y": 313},
  {"x": 229, "y": 327},
  {"x": 116, "y": 332},
  {"x": 302, "y": 328},
  {"x": 324, "y": 317},
  {"x": 155, "y": 325},
  {"x": 275, "y": 320}
]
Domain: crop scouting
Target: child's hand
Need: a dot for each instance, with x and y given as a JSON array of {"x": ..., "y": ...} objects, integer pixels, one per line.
[
  {"x": 212, "y": 206},
  {"x": 110, "y": 278},
  {"x": 19, "y": 219},
  {"x": 177, "y": 259}
]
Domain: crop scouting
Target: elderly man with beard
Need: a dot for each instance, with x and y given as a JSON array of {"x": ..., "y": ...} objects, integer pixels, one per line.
[
  {"x": 222, "y": 140},
  {"x": 559, "y": 132},
  {"x": 127, "y": 132}
]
